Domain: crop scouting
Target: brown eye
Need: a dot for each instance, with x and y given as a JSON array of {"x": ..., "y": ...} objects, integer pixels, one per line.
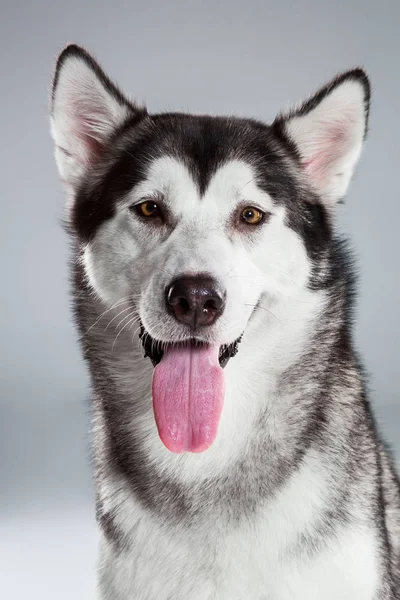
[
  {"x": 251, "y": 215},
  {"x": 148, "y": 209}
]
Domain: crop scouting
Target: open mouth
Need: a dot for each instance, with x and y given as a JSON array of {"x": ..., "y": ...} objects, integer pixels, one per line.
[
  {"x": 188, "y": 390},
  {"x": 154, "y": 349}
]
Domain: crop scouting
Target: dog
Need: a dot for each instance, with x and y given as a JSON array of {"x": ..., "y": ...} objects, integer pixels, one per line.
[{"x": 236, "y": 455}]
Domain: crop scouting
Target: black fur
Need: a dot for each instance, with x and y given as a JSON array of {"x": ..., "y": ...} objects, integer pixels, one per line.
[
  {"x": 354, "y": 457},
  {"x": 73, "y": 51}
]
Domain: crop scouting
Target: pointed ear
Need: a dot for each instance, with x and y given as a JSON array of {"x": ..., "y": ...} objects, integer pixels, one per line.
[
  {"x": 327, "y": 133},
  {"x": 87, "y": 108}
]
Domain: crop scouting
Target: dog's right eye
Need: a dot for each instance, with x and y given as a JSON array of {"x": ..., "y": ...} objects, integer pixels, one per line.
[
  {"x": 251, "y": 215},
  {"x": 148, "y": 210}
]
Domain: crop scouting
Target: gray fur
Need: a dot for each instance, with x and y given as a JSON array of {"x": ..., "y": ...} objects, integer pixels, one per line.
[{"x": 312, "y": 456}]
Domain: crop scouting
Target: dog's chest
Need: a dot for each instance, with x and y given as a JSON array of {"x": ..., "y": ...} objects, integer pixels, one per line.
[
  {"x": 252, "y": 561},
  {"x": 216, "y": 562}
]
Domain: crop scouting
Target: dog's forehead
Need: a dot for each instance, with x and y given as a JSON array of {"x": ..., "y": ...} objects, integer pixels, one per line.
[
  {"x": 206, "y": 143},
  {"x": 198, "y": 157},
  {"x": 231, "y": 182}
]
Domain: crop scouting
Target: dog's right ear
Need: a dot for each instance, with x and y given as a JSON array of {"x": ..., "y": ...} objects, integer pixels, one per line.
[
  {"x": 87, "y": 108},
  {"x": 328, "y": 131}
]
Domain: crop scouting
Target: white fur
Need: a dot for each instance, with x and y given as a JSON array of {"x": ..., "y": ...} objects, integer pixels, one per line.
[
  {"x": 257, "y": 558},
  {"x": 201, "y": 242},
  {"x": 84, "y": 115},
  {"x": 224, "y": 563},
  {"x": 241, "y": 563},
  {"x": 330, "y": 137}
]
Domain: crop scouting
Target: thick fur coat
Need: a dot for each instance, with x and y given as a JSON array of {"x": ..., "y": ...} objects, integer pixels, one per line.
[{"x": 295, "y": 496}]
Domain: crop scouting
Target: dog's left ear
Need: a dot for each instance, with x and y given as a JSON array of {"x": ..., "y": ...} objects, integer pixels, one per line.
[
  {"x": 87, "y": 109},
  {"x": 327, "y": 133}
]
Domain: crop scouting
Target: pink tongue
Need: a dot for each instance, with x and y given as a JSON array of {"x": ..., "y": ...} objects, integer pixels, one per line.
[{"x": 188, "y": 394}]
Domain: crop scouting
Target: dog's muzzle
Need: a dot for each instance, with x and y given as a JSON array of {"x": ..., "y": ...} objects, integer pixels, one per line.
[{"x": 153, "y": 348}]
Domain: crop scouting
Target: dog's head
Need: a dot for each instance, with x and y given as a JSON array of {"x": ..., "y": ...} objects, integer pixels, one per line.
[{"x": 201, "y": 220}]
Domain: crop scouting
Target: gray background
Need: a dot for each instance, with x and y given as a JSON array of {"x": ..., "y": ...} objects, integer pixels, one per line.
[{"x": 251, "y": 58}]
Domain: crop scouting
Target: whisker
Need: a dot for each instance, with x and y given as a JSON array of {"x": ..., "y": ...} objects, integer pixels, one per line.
[
  {"x": 267, "y": 310},
  {"x": 132, "y": 323},
  {"x": 119, "y": 333},
  {"x": 117, "y": 303},
  {"x": 138, "y": 318},
  {"x": 124, "y": 319},
  {"x": 116, "y": 316},
  {"x": 139, "y": 341}
]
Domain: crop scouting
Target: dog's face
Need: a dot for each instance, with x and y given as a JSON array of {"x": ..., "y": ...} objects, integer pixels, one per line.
[
  {"x": 202, "y": 220},
  {"x": 207, "y": 224}
]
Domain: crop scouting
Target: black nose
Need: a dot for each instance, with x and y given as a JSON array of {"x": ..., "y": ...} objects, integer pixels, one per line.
[{"x": 195, "y": 301}]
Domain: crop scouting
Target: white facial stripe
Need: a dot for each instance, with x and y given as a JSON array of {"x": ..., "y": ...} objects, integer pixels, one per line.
[
  {"x": 171, "y": 179},
  {"x": 235, "y": 183},
  {"x": 232, "y": 184},
  {"x": 128, "y": 256}
]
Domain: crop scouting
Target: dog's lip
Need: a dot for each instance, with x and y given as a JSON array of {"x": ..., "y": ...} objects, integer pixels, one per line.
[{"x": 154, "y": 349}]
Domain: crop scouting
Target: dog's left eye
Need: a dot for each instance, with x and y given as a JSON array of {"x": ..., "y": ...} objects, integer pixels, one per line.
[
  {"x": 148, "y": 209},
  {"x": 251, "y": 215}
]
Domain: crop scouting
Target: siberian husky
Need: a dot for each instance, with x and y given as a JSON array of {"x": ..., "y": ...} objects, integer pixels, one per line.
[{"x": 236, "y": 455}]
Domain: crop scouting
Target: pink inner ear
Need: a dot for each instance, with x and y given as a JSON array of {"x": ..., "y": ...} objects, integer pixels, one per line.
[
  {"x": 93, "y": 148},
  {"x": 329, "y": 148},
  {"x": 87, "y": 125}
]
